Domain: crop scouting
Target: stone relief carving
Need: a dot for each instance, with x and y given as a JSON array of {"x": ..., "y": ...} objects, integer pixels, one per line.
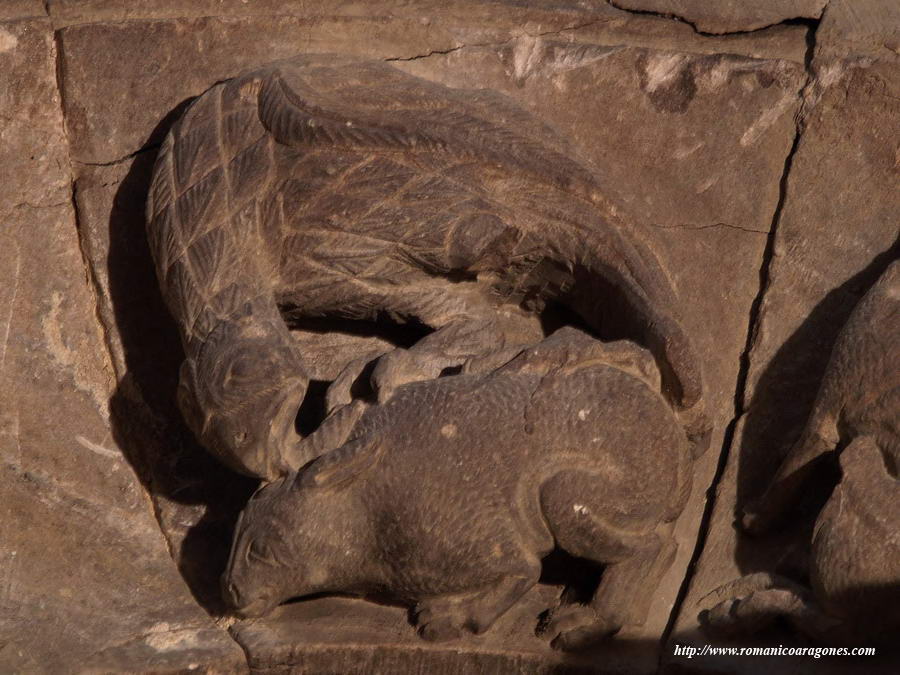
[
  {"x": 325, "y": 186},
  {"x": 448, "y": 496},
  {"x": 759, "y": 160},
  {"x": 854, "y": 556}
]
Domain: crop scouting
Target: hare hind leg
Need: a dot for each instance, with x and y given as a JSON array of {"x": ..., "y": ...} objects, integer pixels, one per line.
[{"x": 635, "y": 562}]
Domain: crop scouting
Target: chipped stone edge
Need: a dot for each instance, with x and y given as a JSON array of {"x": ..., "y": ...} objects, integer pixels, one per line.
[{"x": 696, "y": 24}]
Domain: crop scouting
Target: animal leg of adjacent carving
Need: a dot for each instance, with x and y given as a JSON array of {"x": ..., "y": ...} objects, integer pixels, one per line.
[
  {"x": 765, "y": 599},
  {"x": 627, "y": 588},
  {"x": 762, "y": 514},
  {"x": 331, "y": 434},
  {"x": 466, "y": 324},
  {"x": 445, "y": 618},
  {"x": 340, "y": 391}
]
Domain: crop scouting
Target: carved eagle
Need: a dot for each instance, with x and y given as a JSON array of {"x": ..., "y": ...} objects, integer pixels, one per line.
[{"x": 331, "y": 186}]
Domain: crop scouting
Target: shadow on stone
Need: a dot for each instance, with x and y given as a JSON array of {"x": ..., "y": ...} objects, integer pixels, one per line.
[
  {"x": 782, "y": 401},
  {"x": 195, "y": 498}
]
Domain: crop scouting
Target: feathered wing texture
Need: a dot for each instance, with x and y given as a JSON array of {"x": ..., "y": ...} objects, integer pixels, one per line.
[
  {"x": 343, "y": 179},
  {"x": 342, "y": 102},
  {"x": 500, "y": 161},
  {"x": 242, "y": 381},
  {"x": 203, "y": 211}
]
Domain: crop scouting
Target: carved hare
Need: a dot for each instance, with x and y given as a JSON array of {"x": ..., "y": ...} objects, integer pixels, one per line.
[{"x": 447, "y": 496}]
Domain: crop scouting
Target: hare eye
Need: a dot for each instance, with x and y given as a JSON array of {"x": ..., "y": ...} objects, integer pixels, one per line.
[{"x": 260, "y": 552}]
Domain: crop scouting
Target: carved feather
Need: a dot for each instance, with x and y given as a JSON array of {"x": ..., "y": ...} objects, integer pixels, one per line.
[{"x": 327, "y": 182}]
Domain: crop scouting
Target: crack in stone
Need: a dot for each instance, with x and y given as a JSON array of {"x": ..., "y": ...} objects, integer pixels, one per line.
[
  {"x": 120, "y": 160},
  {"x": 502, "y": 43},
  {"x": 416, "y": 57},
  {"x": 753, "y": 322},
  {"x": 433, "y": 52},
  {"x": 96, "y": 294},
  {"x": 794, "y": 20},
  {"x": 93, "y": 282},
  {"x": 688, "y": 226}
]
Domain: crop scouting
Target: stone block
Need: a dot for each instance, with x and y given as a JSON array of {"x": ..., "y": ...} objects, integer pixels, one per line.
[
  {"x": 85, "y": 574},
  {"x": 836, "y": 233}
]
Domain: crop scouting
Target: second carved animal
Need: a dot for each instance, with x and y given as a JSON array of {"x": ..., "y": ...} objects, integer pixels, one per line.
[{"x": 448, "y": 496}]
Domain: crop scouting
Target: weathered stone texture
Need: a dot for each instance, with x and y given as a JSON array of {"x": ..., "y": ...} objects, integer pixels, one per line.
[
  {"x": 838, "y": 230},
  {"x": 32, "y": 143},
  {"x": 11, "y": 10},
  {"x": 728, "y": 16},
  {"x": 104, "y": 56},
  {"x": 85, "y": 575},
  {"x": 855, "y": 29},
  {"x": 100, "y": 57}
]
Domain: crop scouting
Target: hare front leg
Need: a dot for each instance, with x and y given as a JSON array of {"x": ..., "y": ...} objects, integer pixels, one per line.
[{"x": 446, "y": 617}]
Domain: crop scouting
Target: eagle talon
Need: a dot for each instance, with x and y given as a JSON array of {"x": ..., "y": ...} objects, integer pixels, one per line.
[{"x": 400, "y": 367}]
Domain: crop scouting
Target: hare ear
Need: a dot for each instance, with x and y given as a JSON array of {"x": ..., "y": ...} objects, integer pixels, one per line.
[{"x": 340, "y": 465}]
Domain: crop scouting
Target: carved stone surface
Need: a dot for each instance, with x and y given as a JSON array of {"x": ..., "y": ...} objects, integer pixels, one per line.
[
  {"x": 561, "y": 446},
  {"x": 109, "y": 197},
  {"x": 698, "y": 166},
  {"x": 332, "y": 187},
  {"x": 758, "y": 166},
  {"x": 827, "y": 253},
  {"x": 21, "y": 9},
  {"x": 855, "y": 548},
  {"x": 86, "y": 580}
]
